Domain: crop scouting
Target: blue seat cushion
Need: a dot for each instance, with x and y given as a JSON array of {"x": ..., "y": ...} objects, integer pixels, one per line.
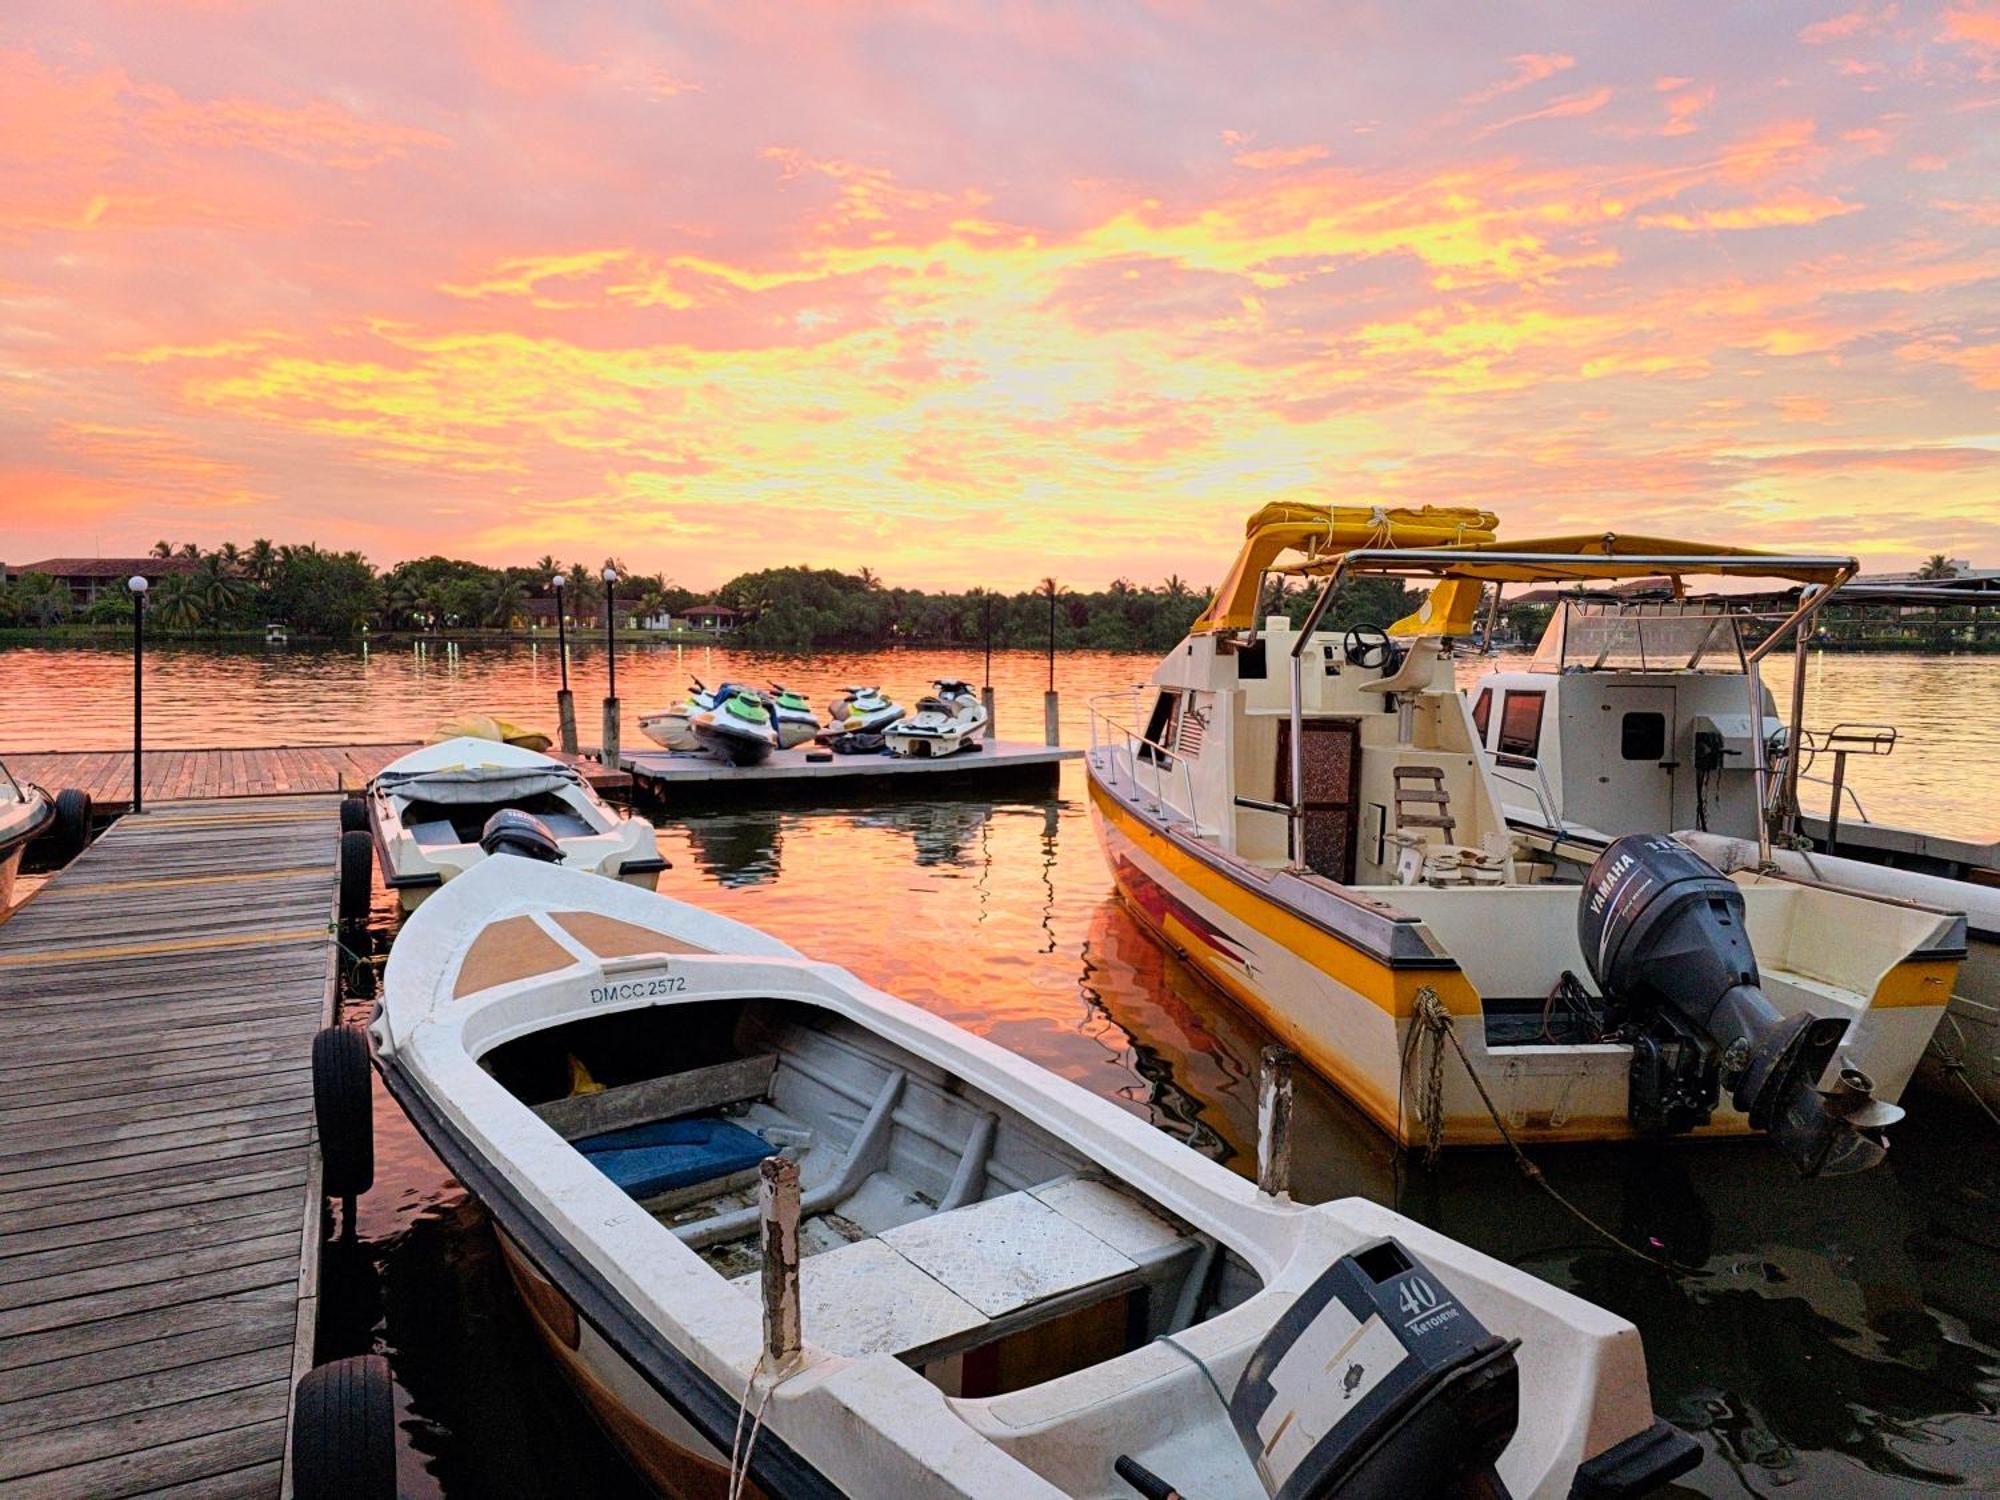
[{"x": 656, "y": 1158}]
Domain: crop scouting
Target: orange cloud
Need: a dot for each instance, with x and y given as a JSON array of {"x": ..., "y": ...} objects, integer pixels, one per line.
[
  {"x": 1568, "y": 107},
  {"x": 1275, "y": 157},
  {"x": 1529, "y": 68}
]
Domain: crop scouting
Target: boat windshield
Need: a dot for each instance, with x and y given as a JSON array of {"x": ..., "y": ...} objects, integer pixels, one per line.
[{"x": 1651, "y": 636}]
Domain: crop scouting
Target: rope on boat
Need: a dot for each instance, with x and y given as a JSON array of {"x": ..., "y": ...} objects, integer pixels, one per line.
[
  {"x": 739, "y": 1449},
  {"x": 1432, "y": 1023},
  {"x": 1953, "y": 1065}
]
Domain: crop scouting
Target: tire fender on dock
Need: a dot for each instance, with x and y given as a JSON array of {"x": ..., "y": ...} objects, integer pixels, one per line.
[
  {"x": 344, "y": 1431},
  {"x": 344, "y": 1110},
  {"x": 357, "y": 873}
]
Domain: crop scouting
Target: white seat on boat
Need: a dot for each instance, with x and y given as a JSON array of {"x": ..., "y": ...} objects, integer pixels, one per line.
[
  {"x": 435, "y": 833},
  {"x": 1006, "y": 1252},
  {"x": 864, "y": 1298}
]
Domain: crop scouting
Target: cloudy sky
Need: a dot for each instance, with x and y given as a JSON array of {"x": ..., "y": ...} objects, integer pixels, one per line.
[{"x": 970, "y": 293}]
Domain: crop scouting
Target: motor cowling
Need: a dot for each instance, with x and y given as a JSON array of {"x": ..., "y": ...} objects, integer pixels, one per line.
[
  {"x": 1663, "y": 933},
  {"x": 1377, "y": 1384},
  {"x": 511, "y": 831}
]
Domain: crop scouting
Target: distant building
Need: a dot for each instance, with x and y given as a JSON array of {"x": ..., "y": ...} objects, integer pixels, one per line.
[
  {"x": 717, "y": 618},
  {"x": 89, "y": 577},
  {"x": 1962, "y": 576},
  {"x": 541, "y": 613}
]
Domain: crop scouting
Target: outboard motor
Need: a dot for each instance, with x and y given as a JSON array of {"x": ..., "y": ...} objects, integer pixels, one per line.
[
  {"x": 511, "y": 831},
  {"x": 1663, "y": 933}
]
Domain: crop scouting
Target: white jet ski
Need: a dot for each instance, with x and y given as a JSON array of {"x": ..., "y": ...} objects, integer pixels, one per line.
[
  {"x": 738, "y": 729},
  {"x": 861, "y": 710},
  {"x": 942, "y": 725},
  {"x": 792, "y": 716},
  {"x": 1007, "y": 1288},
  {"x": 672, "y": 728}
]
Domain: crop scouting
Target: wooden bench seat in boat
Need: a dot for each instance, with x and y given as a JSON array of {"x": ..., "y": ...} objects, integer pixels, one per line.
[{"x": 949, "y": 1281}]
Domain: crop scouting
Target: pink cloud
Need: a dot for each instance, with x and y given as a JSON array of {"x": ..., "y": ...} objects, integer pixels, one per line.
[
  {"x": 1529, "y": 68},
  {"x": 1274, "y": 157}
]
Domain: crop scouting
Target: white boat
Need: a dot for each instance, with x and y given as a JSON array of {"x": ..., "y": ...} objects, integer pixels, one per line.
[
  {"x": 1387, "y": 920},
  {"x": 792, "y": 716},
  {"x": 737, "y": 729},
  {"x": 429, "y": 811},
  {"x": 1007, "y": 1288},
  {"x": 26, "y": 813},
  {"x": 944, "y": 724},
  {"x": 1635, "y": 716}
]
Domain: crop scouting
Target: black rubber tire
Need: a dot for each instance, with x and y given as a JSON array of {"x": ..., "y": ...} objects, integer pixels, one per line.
[
  {"x": 344, "y": 1111},
  {"x": 70, "y": 834},
  {"x": 344, "y": 1431},
  {"x": 357, "y": 876},
  {"x": 353, "y": 815}
]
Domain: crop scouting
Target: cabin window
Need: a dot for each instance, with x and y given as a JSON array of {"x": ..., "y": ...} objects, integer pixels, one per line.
[
  {"x": 1165, "y": 722},
  {"x": 1482, "y": 710},
  {"x": 1521, "y": 724},
  {"x": 1643, "y": 736}
]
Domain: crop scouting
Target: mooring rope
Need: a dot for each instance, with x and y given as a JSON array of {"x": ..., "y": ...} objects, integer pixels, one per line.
[
  {"x": 739, "y": 1450},
  {"x": 1954, "y": 1066},
  {"x": 1432, "y": 1023}
]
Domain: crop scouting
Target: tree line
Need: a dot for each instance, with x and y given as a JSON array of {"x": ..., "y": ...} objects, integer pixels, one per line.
[{"x": 311, "y": 591}]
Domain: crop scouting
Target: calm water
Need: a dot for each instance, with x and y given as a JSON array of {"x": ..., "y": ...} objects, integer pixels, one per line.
[{"x": 1840, "y": 1339}]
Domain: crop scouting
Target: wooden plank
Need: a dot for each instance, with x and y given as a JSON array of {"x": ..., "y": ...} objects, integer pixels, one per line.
[
  {"x": 172, "y": 1443},
  {"x": 660, "y": 1098},
  {"x": 140, "y": 1357}
]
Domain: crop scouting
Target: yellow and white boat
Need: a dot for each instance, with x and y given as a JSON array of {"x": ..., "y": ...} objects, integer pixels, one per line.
[{"x": 1306, "y": 816}]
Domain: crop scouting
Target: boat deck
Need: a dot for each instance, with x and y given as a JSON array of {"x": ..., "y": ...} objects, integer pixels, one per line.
[
  {"x": 254, "y": 771},
  {"x": 1012, "y": 765},
  {"x": 159, "y": 1189}
]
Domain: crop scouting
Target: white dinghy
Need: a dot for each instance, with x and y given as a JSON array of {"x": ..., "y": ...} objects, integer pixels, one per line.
[
  {"x": 1007, "y": 1287},
  {"x": 429, "y": 812},
  {"x": 26, "y": 812},
  {"x": 943, "y": 724}
]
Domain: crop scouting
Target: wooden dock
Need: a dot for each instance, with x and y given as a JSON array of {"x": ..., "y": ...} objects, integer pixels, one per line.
[
  {"x": 159, "y": 1186},
  {"x": 253, "y": 771},
  {"x": 1009, "y": 765}
]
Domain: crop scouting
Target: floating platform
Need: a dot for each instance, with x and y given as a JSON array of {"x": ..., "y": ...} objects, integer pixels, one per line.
[
  {"x": 253, "y": 771},
  {"x": 998, "y": 766},
  {"x": 159, "y": 1186}
]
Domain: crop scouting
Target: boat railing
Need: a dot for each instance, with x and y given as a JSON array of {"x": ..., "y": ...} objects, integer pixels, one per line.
[
  {"x": 1121, "y": 755},
  {"x": 1841, "y": 741},
  {"x": 1544, "y": 794}
]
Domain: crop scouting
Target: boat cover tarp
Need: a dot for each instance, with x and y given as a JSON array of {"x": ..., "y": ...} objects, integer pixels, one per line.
[
  {"x": 668, "y": 1154},
  {"x": 471, "y": 786},
  {"x": 489, "y": 727}
]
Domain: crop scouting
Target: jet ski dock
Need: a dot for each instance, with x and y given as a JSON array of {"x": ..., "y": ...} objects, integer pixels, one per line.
[{"x": 785, "y": 775}]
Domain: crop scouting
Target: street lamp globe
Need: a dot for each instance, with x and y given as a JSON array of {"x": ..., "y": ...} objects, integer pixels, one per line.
[
  {"x": 137, "y": 583},
  {"x": 610, "y": 575}
]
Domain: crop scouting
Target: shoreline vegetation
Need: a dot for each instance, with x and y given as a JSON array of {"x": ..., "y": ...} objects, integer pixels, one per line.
[{"x": 236, "y": 594}]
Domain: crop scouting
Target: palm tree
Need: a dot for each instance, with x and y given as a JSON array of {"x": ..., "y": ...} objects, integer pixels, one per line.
[
  {"x": 1937, "y": 565},
  {"x": 176, "y": 605},
  {"x": 547, "y": 567},
  {"x": 260, "y": 561},
  {"x": 217, "y": 591},
  {"x": 232, "y": 556},
  {"x": 162, "y": 549},
  {"x": 1177, "y": 587},
  {"x": 502, "y": 601},
  {"x": 869, "y": 579},
  {"x": 190, "y": 550}
]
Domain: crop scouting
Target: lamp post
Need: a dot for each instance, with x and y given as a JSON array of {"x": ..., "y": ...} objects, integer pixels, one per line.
[
  {"x": 137, "y": 584},
  {"x": 565, "y": 704},
  {"x": 608, "y": 751}
]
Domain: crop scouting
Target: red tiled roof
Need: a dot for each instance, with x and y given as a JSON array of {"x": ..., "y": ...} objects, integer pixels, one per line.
[
  {"x": 716, "y": 610},
  {"x": 106, "y": 567}
]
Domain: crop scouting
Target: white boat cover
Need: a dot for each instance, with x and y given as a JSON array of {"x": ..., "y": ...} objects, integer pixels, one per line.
[{"x": 471, "y": 786}]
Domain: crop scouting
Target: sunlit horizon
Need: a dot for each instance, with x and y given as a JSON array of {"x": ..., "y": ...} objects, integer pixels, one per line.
[{"x": 969, "y": 295}]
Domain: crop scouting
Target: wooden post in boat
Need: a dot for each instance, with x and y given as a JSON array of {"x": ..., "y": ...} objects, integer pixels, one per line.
[
  {"x": 780, "y": 1201},
  {"x": 1274, "y": 1121}
]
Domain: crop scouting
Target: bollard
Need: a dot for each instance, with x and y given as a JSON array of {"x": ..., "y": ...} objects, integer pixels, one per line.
[
  {"x": 1274, "y": 1122},
  {"x": 1051, "y": 718},
  {"x": 986, "y": 699},
  {"x": 566, "y": 720},
  {"x": 608, "y": 749},
  {"x": 779, "y": 1195}
]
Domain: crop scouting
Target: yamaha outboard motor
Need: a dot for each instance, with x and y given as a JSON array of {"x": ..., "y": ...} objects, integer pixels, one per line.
[
  {"x": 511, "y": 831},
  {"x": 1379, "y": 1384},
  {"x": 1663, "y": 933}
]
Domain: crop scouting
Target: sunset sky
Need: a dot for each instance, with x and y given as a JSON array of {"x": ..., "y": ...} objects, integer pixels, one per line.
[{"x": 973, "y": 293}]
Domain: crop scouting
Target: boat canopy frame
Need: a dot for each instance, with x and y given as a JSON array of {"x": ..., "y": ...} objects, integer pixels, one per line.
[{"x": 1602, "y": 557}]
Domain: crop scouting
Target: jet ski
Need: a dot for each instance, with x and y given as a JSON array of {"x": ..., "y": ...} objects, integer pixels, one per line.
[
  {"x": 943, "y": 725},
  {"x": 670, "y": 728},
  {"x": 793, "y": 716},
  {"x": 861, "y": 710},
  {"x": 737, "y": 729}
]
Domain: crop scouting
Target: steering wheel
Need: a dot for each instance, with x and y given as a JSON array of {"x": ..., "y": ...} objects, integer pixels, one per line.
[{"x": 1366, "y": 646}]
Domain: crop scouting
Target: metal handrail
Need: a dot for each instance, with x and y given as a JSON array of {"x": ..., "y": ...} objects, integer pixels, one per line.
[
  {"x": 1852, "y": 795},
  {"x": 1545, "y": 795},
  {"x": 1118, "y": 739}
]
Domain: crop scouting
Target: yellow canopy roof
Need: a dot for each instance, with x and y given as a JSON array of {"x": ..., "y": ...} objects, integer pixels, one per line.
[
  {"x": 1584, "y": 559},
  {"x": 1322, "y": 532}
]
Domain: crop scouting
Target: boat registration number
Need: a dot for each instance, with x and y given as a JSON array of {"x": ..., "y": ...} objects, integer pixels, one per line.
[{"x": 637, "y": 989}]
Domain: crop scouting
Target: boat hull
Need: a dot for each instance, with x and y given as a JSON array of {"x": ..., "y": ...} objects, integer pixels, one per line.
[{"x": 1348, "y": 1008}]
